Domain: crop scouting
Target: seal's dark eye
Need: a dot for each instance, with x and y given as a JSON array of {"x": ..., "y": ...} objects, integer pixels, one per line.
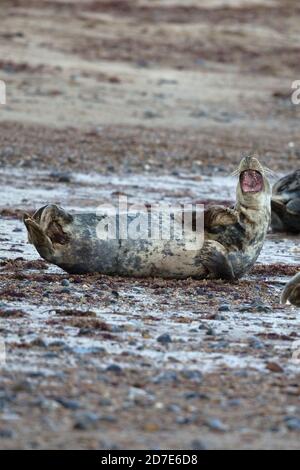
[{"x": 251, "y": 181}]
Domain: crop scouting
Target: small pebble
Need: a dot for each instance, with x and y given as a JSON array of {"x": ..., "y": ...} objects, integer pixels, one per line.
[
  {"x": 224, "y": 308},
  {"x": 198, "y": 445},
  {"x": 293, "y": 423},
  {"x": 210, "y": 332},
  {"x": 105, "y": 402},
  {"x": 216, "y": 425},
  {"x": 68, "y": 404},
  {"x": 114, "y": 368},
  {"x": 6, "y": 434},
  {"x": 23, "y": 386},
  {"x": 194, "y": 375},
  {"x": 65, "y": 291},
  {"x": 184, "y": 420},
  {"x": 255, "y": 343},
  {"x": 85, "y": 421},
  {"x": 195, "y": 395},
  {"x": 274, "y": 367},
  {"x": 166, "y": 377},
  {"x": 164, "y": 339}
]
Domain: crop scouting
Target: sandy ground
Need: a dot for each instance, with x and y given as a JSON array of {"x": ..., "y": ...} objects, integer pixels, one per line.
[{"x": 157, "y": 100}]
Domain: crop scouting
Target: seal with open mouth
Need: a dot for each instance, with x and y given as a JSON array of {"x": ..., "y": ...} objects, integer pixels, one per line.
[
  {"x": 286, "y": 204},
  {"x": 291, "y": 292},
  {"x": 232, "y": 238}
]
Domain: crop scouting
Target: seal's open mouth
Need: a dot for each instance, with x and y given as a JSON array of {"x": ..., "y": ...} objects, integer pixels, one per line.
[{"x": 251, "y": 181}]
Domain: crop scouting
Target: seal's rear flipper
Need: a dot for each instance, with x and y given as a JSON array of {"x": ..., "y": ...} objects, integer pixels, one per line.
[
  {"x": 52, "y": 213},
  {"x": 52, "y": 222},
  {"x": 293, "y": 207},
  {"x": 38, "y": 237}
]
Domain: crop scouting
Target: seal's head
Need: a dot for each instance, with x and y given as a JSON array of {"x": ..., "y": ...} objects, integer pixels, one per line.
[{"x": 254, "y": 189}]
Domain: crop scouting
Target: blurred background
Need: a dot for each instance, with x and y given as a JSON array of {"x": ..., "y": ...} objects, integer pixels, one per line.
[{"x": 140, "y": 85}]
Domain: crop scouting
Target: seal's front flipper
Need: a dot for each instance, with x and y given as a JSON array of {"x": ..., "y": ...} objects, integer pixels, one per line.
[
  {"x": 38, "y": 237},
  {"x": 214, "y": 258}
]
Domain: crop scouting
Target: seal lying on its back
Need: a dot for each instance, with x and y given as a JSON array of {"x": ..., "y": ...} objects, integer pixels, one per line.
[
  {"x": 291, "y": 292},
  {"x": 286, "y": 204},
  {"x": 233, "y": 238}
]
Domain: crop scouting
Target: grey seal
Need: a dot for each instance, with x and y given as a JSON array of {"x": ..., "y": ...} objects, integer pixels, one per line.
[
  {"x": 232, "y": 238},
  {"x": 285, "y": 204},
  {"x": 291, "y": 292}
]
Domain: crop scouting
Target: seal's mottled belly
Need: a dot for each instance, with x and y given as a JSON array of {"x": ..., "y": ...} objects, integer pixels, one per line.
[{"x": 85, "y": 251}]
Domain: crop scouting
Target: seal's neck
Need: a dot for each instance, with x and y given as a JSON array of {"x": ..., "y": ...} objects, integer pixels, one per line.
[{"x": 256, "y": 210}]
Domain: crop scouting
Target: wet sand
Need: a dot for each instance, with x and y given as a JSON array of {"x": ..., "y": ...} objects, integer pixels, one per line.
[{"x": 156, "y": 101}]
